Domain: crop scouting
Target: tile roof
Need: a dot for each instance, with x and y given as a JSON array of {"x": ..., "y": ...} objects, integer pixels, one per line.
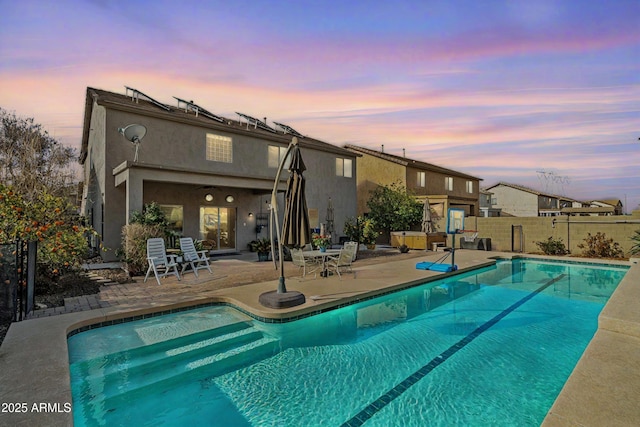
[
  {"x": 404, "y": 161},
  {"x": 531, "y": 190}
]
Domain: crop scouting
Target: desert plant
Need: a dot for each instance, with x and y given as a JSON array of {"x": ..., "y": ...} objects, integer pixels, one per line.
[
  {"x": 552, "y": 246},
  {"x": 598, "y": 246},
  {"x": 635, "y": 249}
]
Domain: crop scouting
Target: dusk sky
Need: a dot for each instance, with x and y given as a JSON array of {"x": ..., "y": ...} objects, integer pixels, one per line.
[{"x": 496, "y": 89}]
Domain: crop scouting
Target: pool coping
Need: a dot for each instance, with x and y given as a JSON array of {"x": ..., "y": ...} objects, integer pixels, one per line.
[{"x": 35, "y": 356}]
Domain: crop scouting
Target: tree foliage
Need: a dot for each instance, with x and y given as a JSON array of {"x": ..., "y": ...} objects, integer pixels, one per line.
[
  {"x": 31, "y": 161},
  {"x": 48, "y": 220},
  {"x": 392, "y": 209}
]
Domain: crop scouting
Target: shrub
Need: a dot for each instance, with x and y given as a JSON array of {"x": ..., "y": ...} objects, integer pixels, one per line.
[
  {"x": 598, "y": 246},
  {"x": 552, "y": 247},
  {"x": 134, "y": 245},
  {"x": 635, "y": 249}
]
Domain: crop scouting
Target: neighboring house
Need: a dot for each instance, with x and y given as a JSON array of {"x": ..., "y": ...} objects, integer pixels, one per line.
[
  {"x": 445, "y": 188},
  {"x": 487, "y": 202},
  {"x": 518, "y": 200},
  {"x": 613, "y": 206},
  {"x": 213, "y": 176}
]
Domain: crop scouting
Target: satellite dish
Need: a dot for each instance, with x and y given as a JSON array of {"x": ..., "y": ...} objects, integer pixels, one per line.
[{"x": 134, "y": 133}]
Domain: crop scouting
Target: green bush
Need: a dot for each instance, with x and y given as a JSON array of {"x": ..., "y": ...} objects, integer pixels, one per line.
[
  {"x": 552, "y": 247},
  {"x": 134, "y": 245},
  {"x": 635, "y": 249},
  {"x": 598, "y": 246}
]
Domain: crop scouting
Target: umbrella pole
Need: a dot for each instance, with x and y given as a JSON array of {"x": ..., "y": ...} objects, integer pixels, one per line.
[
  {"x": 280, "y": 298},
  {"x": 282, "y": 288}
]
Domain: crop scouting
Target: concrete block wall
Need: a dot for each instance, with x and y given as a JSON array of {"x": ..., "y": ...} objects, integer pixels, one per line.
[{"x": 571, "y": 230}]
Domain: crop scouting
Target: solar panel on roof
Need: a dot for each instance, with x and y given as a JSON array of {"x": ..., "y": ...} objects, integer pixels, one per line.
[
  {"x": 135, "y": 95},
  {"x": 288, "y": 129},
  {"x": 189, "y": 105},
  {"x": 256, "y": 122}
]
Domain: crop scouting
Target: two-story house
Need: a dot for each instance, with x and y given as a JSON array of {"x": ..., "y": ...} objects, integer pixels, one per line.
[
  {"x": 213, "y": 176},
  {"x": 444, "y": 188},
  {"x": 518, "y": 200}
]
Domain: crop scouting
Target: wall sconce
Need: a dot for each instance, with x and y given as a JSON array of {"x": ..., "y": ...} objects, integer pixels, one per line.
[
  {"x": 553, "y": 223},
  {"x": 229, "y": 198},
  {"x": 250, "y": 215},
  {"x": 208, "y": 197}
]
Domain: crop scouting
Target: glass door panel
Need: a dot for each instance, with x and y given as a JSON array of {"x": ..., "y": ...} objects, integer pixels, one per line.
[{"x": 218, "y": 227}]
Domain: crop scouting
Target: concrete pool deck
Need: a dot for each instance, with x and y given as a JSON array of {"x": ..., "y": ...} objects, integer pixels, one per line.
[{"x": 604, "y": 388}]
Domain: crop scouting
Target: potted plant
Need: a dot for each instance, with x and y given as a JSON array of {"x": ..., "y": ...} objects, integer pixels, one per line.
[
  {"x": 369, "y": 233},
  {"x": 321, "y": 242},
  {"x": 263, "y": 247}
]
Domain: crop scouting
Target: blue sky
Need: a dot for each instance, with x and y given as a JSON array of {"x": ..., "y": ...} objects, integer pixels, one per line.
[{"x": 496, "y": 89}]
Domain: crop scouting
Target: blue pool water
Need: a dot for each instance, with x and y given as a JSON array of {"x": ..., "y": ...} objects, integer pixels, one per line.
[{"x": 490, "y": 347}]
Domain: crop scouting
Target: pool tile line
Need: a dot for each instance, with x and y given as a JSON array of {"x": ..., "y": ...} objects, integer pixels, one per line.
[{"x": 370, "y": 410}]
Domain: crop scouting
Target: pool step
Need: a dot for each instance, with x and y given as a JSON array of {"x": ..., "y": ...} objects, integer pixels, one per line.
[
  {"x": 192, "y": 361},
  {"x": 226, "y": 335}
]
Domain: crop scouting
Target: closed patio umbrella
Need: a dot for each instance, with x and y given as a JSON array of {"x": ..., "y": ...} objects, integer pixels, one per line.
[
  {"x": 427, "y": 223},
  {"x": 330, "y": 219},
  {"x": 295, "y": 227}
]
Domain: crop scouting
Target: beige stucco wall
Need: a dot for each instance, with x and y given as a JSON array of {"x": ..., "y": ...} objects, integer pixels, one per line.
[
  {"x": 535, "y": 229},
  {"x": 515, "y": 202},
  {"x": 373, "y": 172}
]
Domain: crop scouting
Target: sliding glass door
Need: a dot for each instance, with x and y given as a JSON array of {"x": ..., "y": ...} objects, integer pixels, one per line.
[{"x": 218, "y": 227}]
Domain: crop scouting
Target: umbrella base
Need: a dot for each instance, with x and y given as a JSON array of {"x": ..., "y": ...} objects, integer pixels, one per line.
[{"x": 274, "y": 299}]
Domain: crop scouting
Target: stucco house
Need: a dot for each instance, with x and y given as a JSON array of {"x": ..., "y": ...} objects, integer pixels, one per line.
[
  {"x": 212, "y": 175},
  {"x": 445, "y": 188},
  {"x": 518, "y": 200}
]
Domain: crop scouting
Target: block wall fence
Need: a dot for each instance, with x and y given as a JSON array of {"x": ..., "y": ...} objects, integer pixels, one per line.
[{"x": 572, "y": 230}]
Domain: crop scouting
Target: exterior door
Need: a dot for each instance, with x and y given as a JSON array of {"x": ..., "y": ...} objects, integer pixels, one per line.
[{"x": 218, "y": 227}]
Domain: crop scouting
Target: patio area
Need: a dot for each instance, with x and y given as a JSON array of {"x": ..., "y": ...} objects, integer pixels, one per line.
[{"x": 603, "y": 389}]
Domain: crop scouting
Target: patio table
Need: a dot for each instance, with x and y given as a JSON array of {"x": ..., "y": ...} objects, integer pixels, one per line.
[{"x": 323, "y": 256}]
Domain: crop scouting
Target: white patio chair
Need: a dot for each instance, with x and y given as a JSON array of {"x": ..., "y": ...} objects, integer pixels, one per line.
[
  {"x": 342, "y": 261},
  {"x": 352, "y": 246},
  {"x": 307, "y": 265},
  {"x": 196, "y": 259},
  {"x": 159, "y": 262}
]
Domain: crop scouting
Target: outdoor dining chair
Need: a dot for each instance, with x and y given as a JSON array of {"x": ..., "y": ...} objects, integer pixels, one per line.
[
  {"x": 308, "y": 265},
  {"x": 342, "y": 261},
  {"x": 159, "y": 262},
  {"x": 191, "y": 257}
]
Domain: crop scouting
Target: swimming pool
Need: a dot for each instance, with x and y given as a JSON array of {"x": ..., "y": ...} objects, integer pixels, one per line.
[{"x": 493, "y": 346}]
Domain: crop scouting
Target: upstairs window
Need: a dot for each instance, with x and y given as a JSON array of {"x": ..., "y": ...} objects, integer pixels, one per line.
[
  {"x": 276, "y": 154},
  {"x": 344, "y": 167},
  {"x": 448, "y": 183},
  {"x": 422, "y": 179},
  {"x": 469, "y": 186},
  {"x": 219, "y": 148}
]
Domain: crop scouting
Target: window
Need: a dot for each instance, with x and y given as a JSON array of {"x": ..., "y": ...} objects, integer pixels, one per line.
[
  {"x": 175, "y": 217},
  {"x": 276, "y": 154},
  {"x": 219, "y": 148},
  {"x": 448, "y": 183},
  {"x": 422, "y": 179},
  {"x": 344, "y": 167},
  {"x": 469, "y": 186}
]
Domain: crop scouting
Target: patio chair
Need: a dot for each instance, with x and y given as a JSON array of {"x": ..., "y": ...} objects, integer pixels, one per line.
[
  {"x": 306, "y": 264},
  {"x": 159, "y": 262},
  {"x": 353, "y": 246},
  {"x": 196, "y": 259},
  {"x": 342, "y": 261}
]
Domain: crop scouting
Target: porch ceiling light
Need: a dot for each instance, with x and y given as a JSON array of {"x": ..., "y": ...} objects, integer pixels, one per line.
[
  {"x": 208, "y": 197},
  {"x": 229, "y": 198}
]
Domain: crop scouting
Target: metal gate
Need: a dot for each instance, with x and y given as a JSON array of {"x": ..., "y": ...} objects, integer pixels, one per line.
[
  {"x": 517, "y": 239},
  {"x": 17, "y": 279}
]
